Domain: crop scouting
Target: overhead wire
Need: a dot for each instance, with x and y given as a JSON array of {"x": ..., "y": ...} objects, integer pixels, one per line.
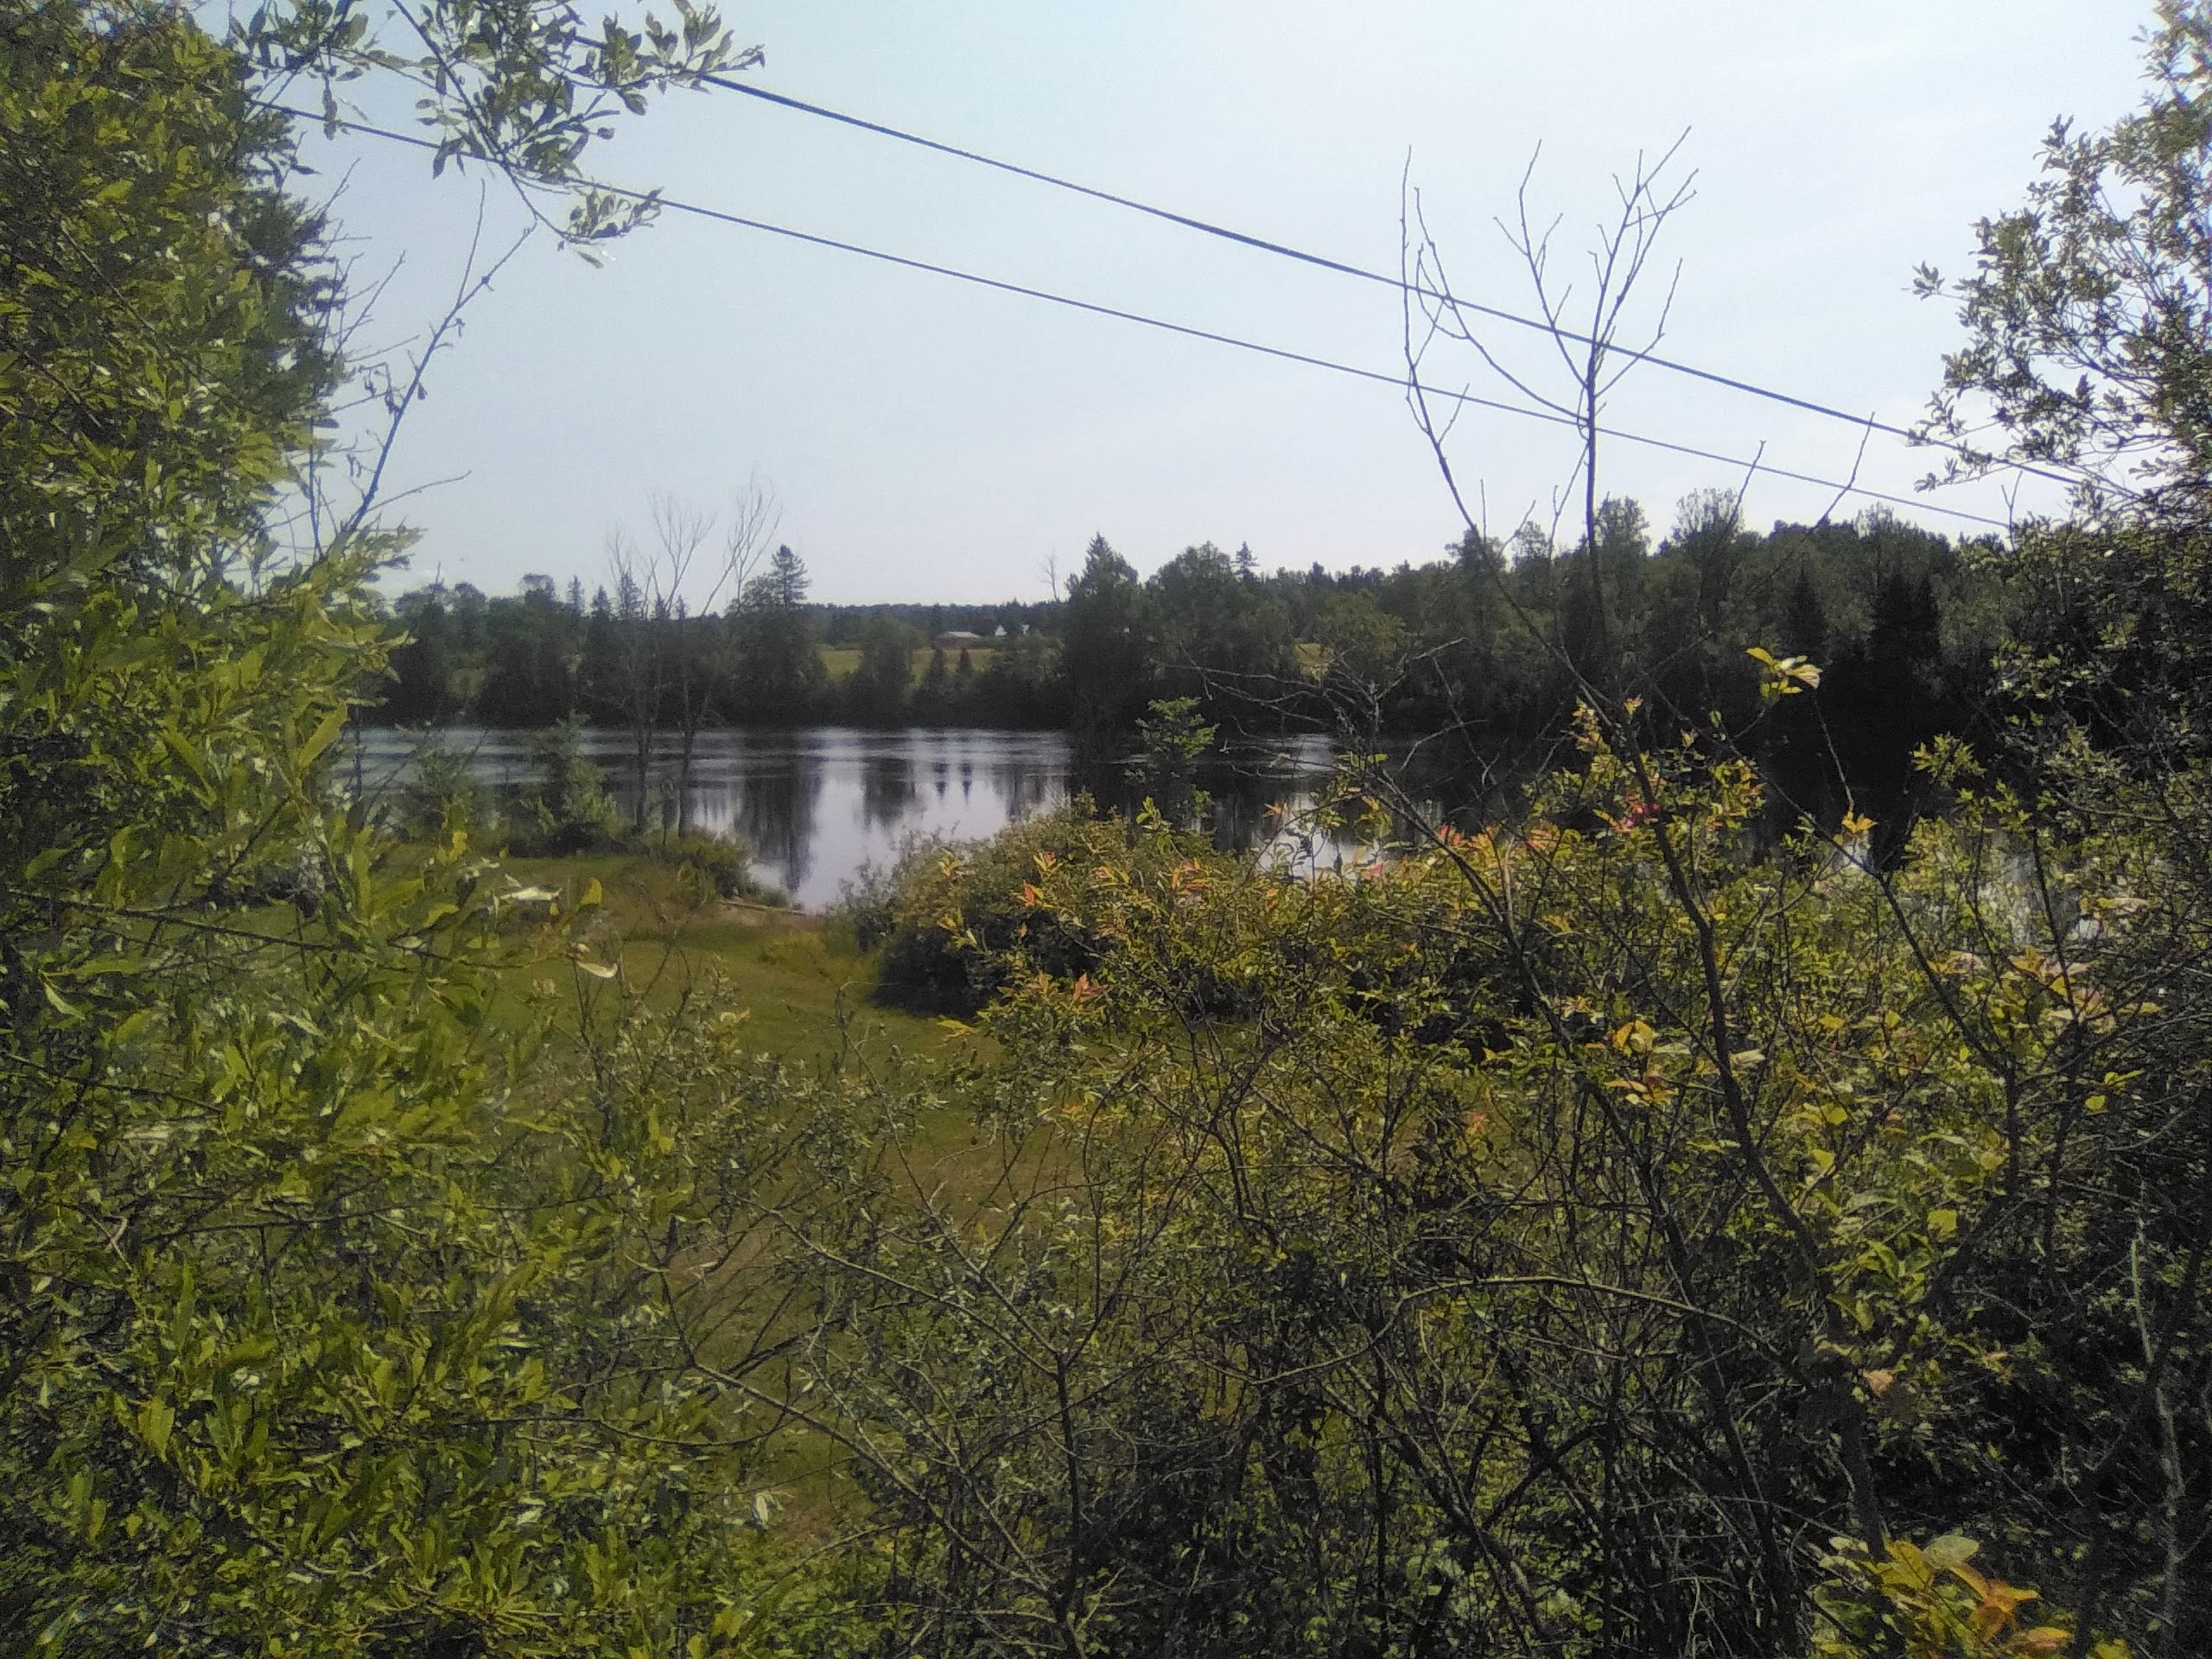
[
  {"x": 1346, "y": 268},
  {"x": 1399, "y": 382}
]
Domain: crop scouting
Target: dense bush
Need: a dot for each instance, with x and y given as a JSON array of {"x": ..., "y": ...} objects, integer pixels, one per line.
[
  {"x": 1603, "y": 1239},
  {"x": 955, "y": 924},
  {"x": 314, "y": 1338}
]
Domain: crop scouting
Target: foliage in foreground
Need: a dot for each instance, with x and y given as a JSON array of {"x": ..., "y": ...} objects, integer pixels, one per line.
[
  {"x": 316, "y": 1333},
  {"x": 1596, "y": 1238}
]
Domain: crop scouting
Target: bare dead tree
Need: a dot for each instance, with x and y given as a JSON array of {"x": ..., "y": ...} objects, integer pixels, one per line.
[
  {"x": 672, "y": 659},
  {"x": 639, "y": 666},
  {"x": 703, "y": 643},
  {"x": 1589, "y": 358},
  {"x": 1591, "y": 355}
]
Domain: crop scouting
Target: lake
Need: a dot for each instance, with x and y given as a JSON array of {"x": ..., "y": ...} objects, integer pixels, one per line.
[{"x": 815, "y": 803}]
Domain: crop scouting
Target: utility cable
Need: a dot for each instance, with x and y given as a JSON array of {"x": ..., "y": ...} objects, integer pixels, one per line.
[
  {"x": 1322, "y": 262},
  {"x": 999, "y": 285}
]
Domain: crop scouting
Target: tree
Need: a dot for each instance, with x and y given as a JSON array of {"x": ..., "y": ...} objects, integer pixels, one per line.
[
  {"x": 932, "y": 696},
  {"x": 638, "y": 680},
  {"x": 1106, "y": 643},
  {"x": 313, "y": 1334},
  {"x": 175, "y": 404},
  {"x": 698, "y": 644},
  {"x": 877, "y": 691},
  {"x": 1579, "y": 362},
  {"x": 665, "y": 662},
  {"x": 2088, "y": 347},
  {"x": 2088, "y": 315},
  {"x": 422, "y": 668},
  {"x": 531, "y": 660},
  {"x": 780, "y": 674},
  {"x": 1218, "y": 639}
]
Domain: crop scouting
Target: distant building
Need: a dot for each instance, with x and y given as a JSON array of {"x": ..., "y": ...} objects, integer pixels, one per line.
[{"x": 959, "y": 639}]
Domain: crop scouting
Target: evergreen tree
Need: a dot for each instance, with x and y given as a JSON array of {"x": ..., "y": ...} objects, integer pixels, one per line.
[
  {"x": 1106, "y": 646},
  {"x": 876, "y": 693},
  {"x": 780, "y": 677}
]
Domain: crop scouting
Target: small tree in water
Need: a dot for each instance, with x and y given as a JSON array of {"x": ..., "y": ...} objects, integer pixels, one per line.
[
  {"x": 1173, "y": 742},
  {"x": 565, "y": 808}
]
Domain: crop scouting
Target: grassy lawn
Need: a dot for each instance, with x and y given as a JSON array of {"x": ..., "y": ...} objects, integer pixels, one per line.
[{"x": 804, "y": 988}]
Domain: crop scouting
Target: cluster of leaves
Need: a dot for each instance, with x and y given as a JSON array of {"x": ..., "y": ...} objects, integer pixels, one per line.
[
  {"x": 1933, "y": 1604},
  {"x": 525, "y": 88}
]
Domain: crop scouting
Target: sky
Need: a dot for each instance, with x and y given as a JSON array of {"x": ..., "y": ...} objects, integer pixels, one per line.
[{"x": 930, "y": 441}]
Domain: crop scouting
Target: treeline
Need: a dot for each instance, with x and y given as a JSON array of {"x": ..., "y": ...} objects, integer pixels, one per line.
[
  {"x": 1494, "y": 645},
  {"x": 542, "y": 656},
  {"x": 1487, "y": 646}
]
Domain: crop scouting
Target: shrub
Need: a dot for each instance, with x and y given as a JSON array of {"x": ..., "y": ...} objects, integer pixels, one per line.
[
  {"x": 724, "y": 862},
  {"x": 957, "y": 924},
  {"x": 565, "y": 808},
  {"x": 441, "y": 794},
  {"x": 867, "y": 900}
]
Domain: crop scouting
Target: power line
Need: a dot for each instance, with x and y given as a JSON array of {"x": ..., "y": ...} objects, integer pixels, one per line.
[
  {"x": 1322, "y": 262},
  {"x": 1189, "y": 332}
]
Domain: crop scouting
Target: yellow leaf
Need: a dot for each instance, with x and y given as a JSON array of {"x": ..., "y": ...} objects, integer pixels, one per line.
[
  {"x": 1636, "y": 1037},
  {"x": 1953, "y": 1551}
]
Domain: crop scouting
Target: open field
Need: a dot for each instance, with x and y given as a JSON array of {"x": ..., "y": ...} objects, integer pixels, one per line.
[{"x": 842, "y": 660}]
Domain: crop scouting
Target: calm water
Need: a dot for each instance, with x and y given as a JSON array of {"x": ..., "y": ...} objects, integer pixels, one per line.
[{"x": 817, "y": 803}]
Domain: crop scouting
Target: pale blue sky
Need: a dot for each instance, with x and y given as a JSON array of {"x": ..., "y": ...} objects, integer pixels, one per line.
[{"x": 930, "y": 441}]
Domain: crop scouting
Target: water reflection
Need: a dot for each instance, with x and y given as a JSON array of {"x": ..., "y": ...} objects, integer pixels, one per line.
[
  {"x": 888, "y": 791},
  {"x": 815, "y": 804},
  {"x": 778, "y": 803}
]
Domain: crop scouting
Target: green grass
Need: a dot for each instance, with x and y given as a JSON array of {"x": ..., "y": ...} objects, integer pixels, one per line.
[
  {"x": 806, "y": 994},
  {"x": 840, "y": 661},
  {"x": 803, "y": 987}
]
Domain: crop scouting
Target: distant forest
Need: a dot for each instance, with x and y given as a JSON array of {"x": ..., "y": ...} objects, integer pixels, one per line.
[{"x": 1478, "y": 646}]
